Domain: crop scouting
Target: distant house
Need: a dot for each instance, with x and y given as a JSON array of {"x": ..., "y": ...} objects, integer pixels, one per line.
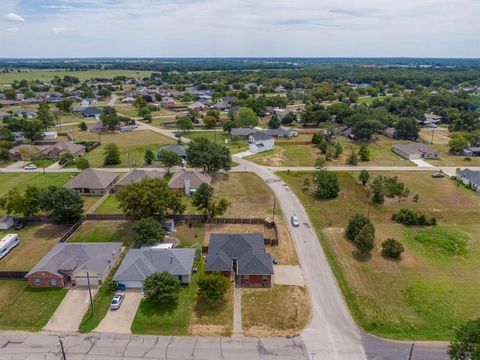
[
  {"x": 140, "y": 263},
  {"x": 54, "y": 152},
  {"x": 137, "y": 175},
  {"x": 19, "y": 138},
  {"x": 49, "y": 135},
  {"x": 281, "y": 133},
  {"x": 128, "y": 99},
  {"x": 470, "y": 178},
  {"x": 432, "y": 119},
  {"x": 241, "y": 132},
  {"x": 96, "y": 127},
  {"x": 180, "y": 150},
  {"x": 188, "y": 180},
  {"x": 415, "y": 151},
  {"x": 69, "y": 263},
  {"x": 26, "y": 114},
  {"x": 26, "y": 152},
  {"x": 92, "y": 182},
  {"x": 389, "y": 132},
  {"x": 167, "y": 102},
  {"x": 472, "y": 151},
  {"x": 220, "y": 106},
  {"x": 92, "y": 112},
  {"x": 241, "y": 257},
  {"x": 260, "y": 142},
  {"x": 197, "y": 106},
  {"x": 88, "y": 102}
]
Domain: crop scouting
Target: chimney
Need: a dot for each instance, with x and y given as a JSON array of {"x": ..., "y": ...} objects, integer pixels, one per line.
[{"x": 187, "y": 187}]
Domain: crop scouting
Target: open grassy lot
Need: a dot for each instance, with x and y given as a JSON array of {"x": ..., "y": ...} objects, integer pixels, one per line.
[
  {"x": 104, "y": 231},
  {"x": 110, "y": 206},
  {"x": 24, "y": 308},
  {"x": 35, "y": 241},
  {"x": 131, "y": 111},
  {"x": 47, "y": 75},
  {"x": 220, "y": 137},
  {"x": 212, "y": 320},
  {"x": 133, "y": 144},
  {"x": 291, "y": 154},
  {"x": 266, "y": 312},
  {"x": 435, "y": 286}
]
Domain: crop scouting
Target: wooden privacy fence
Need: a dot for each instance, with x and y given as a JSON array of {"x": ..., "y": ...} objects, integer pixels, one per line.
[{"x": 13, "y": 275}]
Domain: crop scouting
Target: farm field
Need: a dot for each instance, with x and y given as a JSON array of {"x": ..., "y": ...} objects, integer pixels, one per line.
[
  {"x": 434, "y": 287},
  {"x": 291, "y": 154},
  {"x": 220, "y": 137},
  {"x": 47, "y": 75},
  {"x": 133, "y": 144},
  {"x": 35, "y": 241},
  {"x": 24, "y": 308}
]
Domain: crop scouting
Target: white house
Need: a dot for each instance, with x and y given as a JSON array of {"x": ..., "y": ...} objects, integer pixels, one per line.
[
  {"x": 49, "y": 135},
  {"x": 260, "y": 142},
  {"x": 470, "y": 178},
  {"x": 89, "y": 102}
]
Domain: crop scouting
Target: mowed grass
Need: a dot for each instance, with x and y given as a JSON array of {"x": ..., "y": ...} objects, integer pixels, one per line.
[
  {"x": 111, "y": 205},
  {"x": 25, "y": 308},
  {"x": 47, "y": 75},
  {"x": 292, "y": 154},
  {"x": 278, "y": 311},
  {"x": 104, "y": 231},
  {"x": 219, "y": 136},
  {"x": 435, "y": 286},
  {"x": 35, "y": 241},
  {"x": 132, "y": 145}
]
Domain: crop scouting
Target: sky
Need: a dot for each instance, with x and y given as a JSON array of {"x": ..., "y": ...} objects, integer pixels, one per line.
[{"x": 239, "y": 28}]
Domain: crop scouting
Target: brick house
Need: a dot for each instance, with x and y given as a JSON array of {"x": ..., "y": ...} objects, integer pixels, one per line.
[
  {"x": 240, "y": 257},
  {"x": 92, "y": 182},
  {"x": 69, "y": 263}
]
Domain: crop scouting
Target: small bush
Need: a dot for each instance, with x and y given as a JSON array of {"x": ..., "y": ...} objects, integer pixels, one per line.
[
  {"x": 410, "y": 218},
  {"x": 355, "y": 224},
  {"x": 392, "y": 248},
  {"x": 112, "y": 286}
]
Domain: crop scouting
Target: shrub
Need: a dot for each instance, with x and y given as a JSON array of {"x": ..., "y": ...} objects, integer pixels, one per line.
[
  {"x": 467, "y": 342},
  {"x": 326, "y": 183},
  {"x": 355, "y": 224},
  {"x": 392, "y": 248},
  {"x": 162, "y": 288},
  {"x": 365, "y": 237},
  {"x": 213, "y": 287},
  {"x": 410, "y": 217}
]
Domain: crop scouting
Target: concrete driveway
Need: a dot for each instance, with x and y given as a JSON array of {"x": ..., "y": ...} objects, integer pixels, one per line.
[
  {"x": 287, "y": 275},
  {"x": 69, "y": 314},
  {"x": 120, "y": 321}
]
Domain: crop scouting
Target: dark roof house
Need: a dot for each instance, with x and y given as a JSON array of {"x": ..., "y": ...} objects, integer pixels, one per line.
[
  {"x": 92, "y": 182},
  {"x": 137, "y": 175},
  {"x": 177, "y": 149},
  {"x": 189, "y": 180}
]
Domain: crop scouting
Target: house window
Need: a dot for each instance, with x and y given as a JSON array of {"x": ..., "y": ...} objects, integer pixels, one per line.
[
  {"x": 246, "y": 278},
  {"x": 37, "y": 281},
  {"x": 53, "y": 281}
]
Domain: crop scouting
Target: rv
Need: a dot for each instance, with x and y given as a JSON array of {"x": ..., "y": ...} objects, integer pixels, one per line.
[{"x": 8, "y": 243}]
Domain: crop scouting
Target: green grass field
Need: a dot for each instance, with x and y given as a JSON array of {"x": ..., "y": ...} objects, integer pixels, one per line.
[
  {"x": 220, "y": 137},
  {"x": 103, "y": 231},
  {"x": 24, "y": 308},
  {"x": 434, "y": 287},
  {"x": 110, "y": 206},
  {"x": 47, "y": 75}
]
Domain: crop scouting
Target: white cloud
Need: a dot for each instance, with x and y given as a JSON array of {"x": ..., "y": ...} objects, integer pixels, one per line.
[
  {"x": 13, "y": 30},
  {"x": 59, "y": 30},
  {"x": 13, "y": 17}
]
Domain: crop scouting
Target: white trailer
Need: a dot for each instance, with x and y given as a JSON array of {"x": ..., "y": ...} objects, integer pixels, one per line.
[{"x": 8, "y": 242}]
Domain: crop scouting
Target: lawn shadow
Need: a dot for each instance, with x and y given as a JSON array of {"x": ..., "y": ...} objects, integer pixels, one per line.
[
  {"x": 204, "y": 309},
  {"x": 361, "y": 256},
  {"x": 152, "y": 309}
]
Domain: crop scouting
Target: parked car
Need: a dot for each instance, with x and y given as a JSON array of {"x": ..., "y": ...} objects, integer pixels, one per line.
[
  {"x": 117, "y": 301},
  {"x": 30, "y": 167},
  {"x": 294, "y": 220},
  {"x": 438, "y": 175},
  {"x": 19, "y": 224},
  {"x": 178, "y": 136}
]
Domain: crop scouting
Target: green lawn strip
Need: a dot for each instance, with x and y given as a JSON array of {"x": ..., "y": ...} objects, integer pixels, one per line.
[
  {"x": 101, "y": 302},
  {"x": 103, "y": 231},
  {"x": 28, "y": 309},
  {"x": 111, "y": 205},
  {"x": 219, "y": 137},
  {"x": 22, "y": 180}
]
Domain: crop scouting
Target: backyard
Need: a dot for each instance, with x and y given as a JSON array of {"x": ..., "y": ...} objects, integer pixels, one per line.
[
  {"x": 434, "y": 287},
  {"x": 104, "y": 231}
]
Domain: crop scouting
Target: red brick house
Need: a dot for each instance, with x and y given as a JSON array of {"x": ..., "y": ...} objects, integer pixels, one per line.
[{"x": 242, "y": 258}]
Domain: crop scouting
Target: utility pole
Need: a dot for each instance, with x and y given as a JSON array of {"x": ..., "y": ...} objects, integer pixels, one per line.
[
  {"x": 128, "y": 156},
  {"x": 411, "y": 352},
  {"x": 90, "y": 292},
  {"x": 274, "y": 206},
  {"x": 433, "y": 132},
  {"x": 60, "y": 345}
]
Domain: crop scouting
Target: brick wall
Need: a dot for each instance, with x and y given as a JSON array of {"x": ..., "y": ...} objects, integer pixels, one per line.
[{"x": 45, "y": 279}]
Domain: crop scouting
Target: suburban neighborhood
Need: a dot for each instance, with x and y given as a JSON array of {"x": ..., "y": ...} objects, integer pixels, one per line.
[{"x": 229, "y": 207}]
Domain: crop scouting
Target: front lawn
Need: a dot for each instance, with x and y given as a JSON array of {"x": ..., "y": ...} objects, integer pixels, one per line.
[
  {"x": 278, "y": 311},
  {"x": 435, "y": 286},
  {"x": 35, "y": 241},
  {"x": 25, "y": 308},
  {"x": 104, "y": 231}
]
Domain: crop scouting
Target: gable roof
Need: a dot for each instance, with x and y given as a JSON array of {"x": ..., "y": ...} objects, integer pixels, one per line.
[
  {"x": 241, "y": 131},
  {"x": 414, "y": 148},
  {"x": 177, "y": 149},
  {"x": 136, "y": 175},
  {"x": 140, "y": 263},
  {"x": 470, "y": 175},
  {"x": 91, "y": 111},
  {"x": 66, "y": 146},
  {"x": 69, "y": 257},
  {"x": 261, "y": 136},
  {"x": 248, "y": 249},
  {"x": 196, "y": 179},
  {"x": 92, "y": 179}
]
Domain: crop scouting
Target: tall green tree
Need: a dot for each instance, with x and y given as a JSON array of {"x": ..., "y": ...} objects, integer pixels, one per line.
[
  {"x": 185, "y": 123},
  {"x": 274, "y": 122},
  {"x": 147, "y": 231},
  {"x": 245, "y": 117},
  {"x": 364, "y": 176},
  {"x": 356, "y": 223},
  {"x": 213, "y": 287},
  {"x": 27, "y": 204},
  {"x": 111, "y": 155},
  {"x": 466, "y": 345},
  {"x": 110, "y": 118},
  {"x": 64, "y": 206},
  {"x": 44, "y": 116},
  {"x": 364, "y": 153},
  {"x": 168, "y": 160},
  {"x": 203, "y": 200},
  {"x": 162, "y": 288},
  {"x": 407, "y": 128},
  {"x": 326, "y": 185},
  {"x": 149, "y": 157},
  {"x": 207, "y": 155}
]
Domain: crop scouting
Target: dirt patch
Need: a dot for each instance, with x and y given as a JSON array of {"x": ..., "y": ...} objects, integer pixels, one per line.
[{"x": 209, "y": 330}]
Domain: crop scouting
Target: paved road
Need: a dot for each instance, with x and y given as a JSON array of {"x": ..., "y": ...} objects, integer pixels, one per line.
[
  {"x": 332, "y": 333},
  {"x": 113, "y": 100},
  {"x": 33, "y": 346}
]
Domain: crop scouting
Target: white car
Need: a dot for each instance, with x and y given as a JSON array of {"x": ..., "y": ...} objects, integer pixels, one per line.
[
  {"x": 30, "y": 167},
  {"x": 117, "y": 301},
  {"x": 294, "y": 220}
]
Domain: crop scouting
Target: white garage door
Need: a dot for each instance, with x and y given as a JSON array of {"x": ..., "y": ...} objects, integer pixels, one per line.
[
  {"x": 132, "y": 284},
  {"x": 82, "y": 281}
]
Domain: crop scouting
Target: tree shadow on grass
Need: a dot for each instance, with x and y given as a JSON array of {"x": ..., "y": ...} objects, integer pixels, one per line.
[
  {"x": 204, "y": 309},
  {"x": 361, "y": 256},
  {"x": 152, "y": 309}
]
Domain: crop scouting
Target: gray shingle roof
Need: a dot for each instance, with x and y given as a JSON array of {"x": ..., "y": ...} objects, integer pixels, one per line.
[
  {"x": 76, "y": 256},
  {"x": 241, "y": 131},
  {"x": 67, "y": 146},
  {"x": 249, "y": 249},
  {"x": 137, "y": 175},
  {"x": 177, "y": 149},
  {"x": 414, "y": 148},
  {"x": 196, "y": 179},
  {"x": 470, "y": 175},
  {"x": 92, "y": 179},
  {"x": 260, "y": 136},
  {"x": 139, "y": 263}
]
